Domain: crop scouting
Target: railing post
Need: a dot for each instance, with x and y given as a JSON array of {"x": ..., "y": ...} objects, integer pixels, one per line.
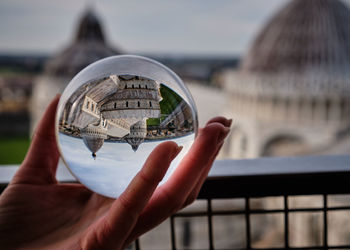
[
  {"x": 286, "y": 221},
  {"x": 210, "y": 225},
  {"x": 325, "y": 223},
  {"x": 247, "y": 221},
  {"x": 172, "y": 233}
]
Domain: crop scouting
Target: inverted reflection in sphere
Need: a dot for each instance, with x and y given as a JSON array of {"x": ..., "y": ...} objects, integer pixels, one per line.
[{"x": 114, "y": 113}]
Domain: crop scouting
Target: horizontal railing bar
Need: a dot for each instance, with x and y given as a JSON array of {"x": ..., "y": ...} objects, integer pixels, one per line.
[
  {"x": 339, "y": 247},
  {"x": 281, "y": 166},
  {"x": 262, "y": 177},
  {"x": 292, "y": 248},
  {"x": 259, "y": 211},
  {"x": 258, "y": 177}
]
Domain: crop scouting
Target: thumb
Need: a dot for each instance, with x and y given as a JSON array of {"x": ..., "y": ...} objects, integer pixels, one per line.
[{"x": 41, "y": 160}]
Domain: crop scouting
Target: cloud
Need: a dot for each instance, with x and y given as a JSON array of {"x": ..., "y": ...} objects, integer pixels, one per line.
[{"x": 139, "y": 26}]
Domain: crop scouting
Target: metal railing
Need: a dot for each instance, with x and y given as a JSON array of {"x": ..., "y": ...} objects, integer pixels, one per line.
[{"x": 251, "y": 180}]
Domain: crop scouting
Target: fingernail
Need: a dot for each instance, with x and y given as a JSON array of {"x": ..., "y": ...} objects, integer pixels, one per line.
[
  {"x": 177, "y": 151},
  {"x": 58, "y": 95},
  {"x": 223, "y": 134},
  {"x": 229, "y": 123}
]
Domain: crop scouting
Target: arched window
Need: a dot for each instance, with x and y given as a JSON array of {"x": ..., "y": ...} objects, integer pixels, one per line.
[
  {"x": 150, "y": 104},
  {"x": 139, "y": 86},
  {"x": 127, "y": 104},
  {"x": 313, "y": 107},
  {"x": 328, "y": 109},
  {"x": 284, "y": 145},
  {"x": 115, "y": 105},
  {"x": 138, "y": 104},
  {"x": 132, "y": 86},
  {"x": 92, "y": 107},
  {"x": 146, "y": 87},
  {"x": 342, "y": 108},
  {"x": 87, "y": 104}
]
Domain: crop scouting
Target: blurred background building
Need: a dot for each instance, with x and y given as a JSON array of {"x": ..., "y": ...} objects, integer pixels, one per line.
[
  {"x": 290, "y": 95},
  {"x": 88, "y": 46}
]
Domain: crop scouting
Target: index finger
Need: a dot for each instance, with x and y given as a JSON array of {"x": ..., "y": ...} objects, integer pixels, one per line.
[
  {"x": 124, "y": 212},
  {"x": 171, "y": 196}
]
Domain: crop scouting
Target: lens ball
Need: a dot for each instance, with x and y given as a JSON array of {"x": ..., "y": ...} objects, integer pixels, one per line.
[{"x": 114, "y": 113}]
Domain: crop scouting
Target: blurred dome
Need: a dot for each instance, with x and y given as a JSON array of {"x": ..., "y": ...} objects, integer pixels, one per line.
[
  {"x": 90, "y": 28},
  {"x": 302, "y": 52},
  {"x": 304, "y": 34},
  {"x": 291, "y": 92},
  {"x": 89, "y": 46}
]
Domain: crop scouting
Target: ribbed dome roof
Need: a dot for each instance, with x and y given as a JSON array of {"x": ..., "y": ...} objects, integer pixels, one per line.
[
  {"x": 93, "y": 144},
  {"x": 304, "y": 34},
  {"x": 89, "y": 46},
  {"x": 134, "y": 142},
  {"x": 93, "y": 136},
  {"x": 137, "y": 134},
  {"x": 90, "y": 28}
]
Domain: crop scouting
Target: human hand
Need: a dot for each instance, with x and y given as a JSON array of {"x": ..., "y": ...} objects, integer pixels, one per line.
[{"x": 37, "y": 212}]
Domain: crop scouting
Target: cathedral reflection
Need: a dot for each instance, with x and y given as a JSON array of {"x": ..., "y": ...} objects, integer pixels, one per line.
[{"x": 125, "y": 108}]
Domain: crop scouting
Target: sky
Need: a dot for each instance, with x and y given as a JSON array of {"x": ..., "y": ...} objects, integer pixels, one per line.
[
  {"x": 193, "y": 27},
  {"x": 115, "y": 165}
]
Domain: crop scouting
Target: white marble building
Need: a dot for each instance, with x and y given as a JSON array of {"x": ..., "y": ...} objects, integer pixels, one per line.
[
  {"x": 291, "y": 93},
  {"x": 113, "y": 107}
]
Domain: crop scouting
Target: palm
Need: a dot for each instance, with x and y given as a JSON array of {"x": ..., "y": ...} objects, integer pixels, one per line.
[
  {"x": 37, "y": 212},
  {"x": 59, "y": 213}
]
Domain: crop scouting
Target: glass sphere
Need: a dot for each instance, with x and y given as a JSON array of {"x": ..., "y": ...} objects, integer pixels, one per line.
[{"x": 114, "y": 113}]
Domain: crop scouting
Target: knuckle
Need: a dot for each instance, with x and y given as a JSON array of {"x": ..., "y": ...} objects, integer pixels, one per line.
[
  {"x": 147, "y": 179},
  {"x": 128, "y": 207},
  {"x": 193, "y": 159},
  {"x": 190, "y": 199},
  {"x": 96, "y": 239},
  {"x": 174, "y": 203}
]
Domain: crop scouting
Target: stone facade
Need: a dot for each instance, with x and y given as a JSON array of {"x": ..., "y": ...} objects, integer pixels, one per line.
[
  {"x": 135, "y": 98},
  {"x": 122, "y": 103},
  {"x": 290, "y": 95}
]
